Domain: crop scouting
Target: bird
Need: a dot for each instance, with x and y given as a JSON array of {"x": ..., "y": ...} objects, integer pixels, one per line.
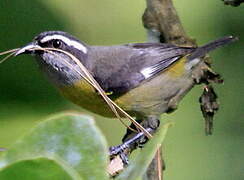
[{"x": 142, "y": 78}]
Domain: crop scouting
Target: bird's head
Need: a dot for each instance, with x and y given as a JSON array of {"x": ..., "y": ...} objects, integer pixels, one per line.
[
  {"x": 50, "y": 46},
  {"x": 55, "y": 39}
]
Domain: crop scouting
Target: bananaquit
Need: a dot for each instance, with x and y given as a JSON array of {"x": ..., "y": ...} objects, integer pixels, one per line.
[{"x": 142, "y": 78}]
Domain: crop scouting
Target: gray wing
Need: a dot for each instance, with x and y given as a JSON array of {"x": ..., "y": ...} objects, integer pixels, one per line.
[{"x": 121, "y": 68}]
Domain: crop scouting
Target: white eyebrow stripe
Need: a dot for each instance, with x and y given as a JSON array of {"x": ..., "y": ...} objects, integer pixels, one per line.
[{"x": 67, "y": 41}]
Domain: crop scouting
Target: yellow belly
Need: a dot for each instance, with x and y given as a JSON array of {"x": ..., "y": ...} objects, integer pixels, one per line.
[{"x": 85, "y": 96}]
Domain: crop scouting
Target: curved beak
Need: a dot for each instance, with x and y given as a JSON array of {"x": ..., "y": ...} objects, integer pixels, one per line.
[{"x": 27, "y": 49}]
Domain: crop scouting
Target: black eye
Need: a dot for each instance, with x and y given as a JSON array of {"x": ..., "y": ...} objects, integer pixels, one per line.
[{"x": 56, "y": 43}]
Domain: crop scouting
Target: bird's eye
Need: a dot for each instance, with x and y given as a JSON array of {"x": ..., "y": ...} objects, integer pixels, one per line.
[{"x": 56, "y": 43}]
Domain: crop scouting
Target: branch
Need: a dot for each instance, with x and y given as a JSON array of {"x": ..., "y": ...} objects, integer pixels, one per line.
[
  {"x": 161, "y": 18},
  {"x": 163, "y": 25},
  {"x": 162, "y": 22}
]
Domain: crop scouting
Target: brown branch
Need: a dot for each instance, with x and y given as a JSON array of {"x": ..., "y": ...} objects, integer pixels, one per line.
[
  {"x": 156, "y": 167},
  {"x": 161, "y": 16},
  {"x": 163, "y": 25}
]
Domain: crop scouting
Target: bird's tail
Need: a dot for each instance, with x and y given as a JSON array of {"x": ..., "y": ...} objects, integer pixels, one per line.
[{"x": 203, "y": 50}]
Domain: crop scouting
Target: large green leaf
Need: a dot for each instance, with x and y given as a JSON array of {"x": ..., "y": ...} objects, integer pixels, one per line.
[
  {"x": 71, "y": 139},
  {"x": 139, "y": 165},
  {"x": 38, "y": 169}
]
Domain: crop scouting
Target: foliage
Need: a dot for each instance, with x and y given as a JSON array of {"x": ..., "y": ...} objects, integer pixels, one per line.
[{"x": 69, "y": 146}]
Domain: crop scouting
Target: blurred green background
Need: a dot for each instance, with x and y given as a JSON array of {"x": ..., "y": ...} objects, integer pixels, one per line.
[{"x": 26, "y": 97}]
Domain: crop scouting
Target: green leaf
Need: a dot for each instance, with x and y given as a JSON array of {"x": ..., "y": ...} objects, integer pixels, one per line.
[
  {"x": 38, "y": 169},
  {"x": 71, "y": 139},
  {"x": 139, "y": 165}
]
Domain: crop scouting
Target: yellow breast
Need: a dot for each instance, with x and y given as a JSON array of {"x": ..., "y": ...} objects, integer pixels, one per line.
[{"x": 85, "y": 96}]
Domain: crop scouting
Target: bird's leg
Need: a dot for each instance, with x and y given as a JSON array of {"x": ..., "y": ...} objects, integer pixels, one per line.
[
  {"x": 132, "y": 140},
  {"x": 151, "y": 122},
  {"x": 123, "y": 148}
]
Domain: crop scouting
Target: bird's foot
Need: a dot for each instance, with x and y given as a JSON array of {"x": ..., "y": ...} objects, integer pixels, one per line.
[{"x": 125, "y": 148}]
